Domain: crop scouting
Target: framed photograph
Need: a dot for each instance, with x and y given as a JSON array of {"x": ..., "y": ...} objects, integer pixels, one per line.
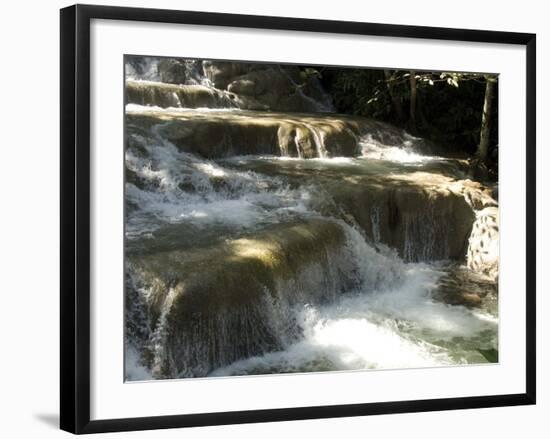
[{"x": 274, "y": 218}]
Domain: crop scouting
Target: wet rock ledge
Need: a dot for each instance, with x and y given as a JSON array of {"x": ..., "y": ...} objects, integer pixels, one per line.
[{"x": 218, "y": 133}]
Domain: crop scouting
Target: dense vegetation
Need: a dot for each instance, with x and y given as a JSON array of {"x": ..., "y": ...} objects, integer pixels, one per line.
[{"x": 446, "y": 108}]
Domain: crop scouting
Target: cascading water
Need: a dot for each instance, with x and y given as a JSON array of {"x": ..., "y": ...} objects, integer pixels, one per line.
[{"x": 254, "y": 263}]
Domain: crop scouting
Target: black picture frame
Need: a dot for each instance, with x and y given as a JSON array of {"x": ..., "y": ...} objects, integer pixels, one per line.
[{"x": 75, "y": 217}]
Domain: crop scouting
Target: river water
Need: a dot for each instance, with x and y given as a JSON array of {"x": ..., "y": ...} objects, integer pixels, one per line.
[{"x": 362, "y": 304}]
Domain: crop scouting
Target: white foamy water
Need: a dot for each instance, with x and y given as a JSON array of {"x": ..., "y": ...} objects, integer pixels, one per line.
[
  {"x": 402, "y": 153},
  {"x": 138, "y": 109},
  {"x": 180, "y": 187},
  {"x": 391, "y": 322},
  {"x": 329, "y": 161},
  {"x": 133, "y": 369}
]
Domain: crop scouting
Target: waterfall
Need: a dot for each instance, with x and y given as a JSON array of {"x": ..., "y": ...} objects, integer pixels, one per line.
[
  {"x": 142, "y": 68},
  {"x": 269, "y": 241},
  {"x": 318, "y": 139}
]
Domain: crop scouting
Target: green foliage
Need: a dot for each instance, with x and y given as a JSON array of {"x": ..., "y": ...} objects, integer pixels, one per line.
[
  {"x": 455, "y": 108},
  {"x": 449, "y": 104},
  {"x": 360, "y": 91}
]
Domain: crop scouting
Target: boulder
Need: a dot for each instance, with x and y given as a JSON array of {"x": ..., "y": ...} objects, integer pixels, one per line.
[
  {"x": 278, "y": 89},
  {"x": 221, "y": 73},
  {"x": 460, "y": 286},
  {"x": 483, "y": 244},
  {"x": 172, "y": 71},
  {"x": 272, "y": 87}
]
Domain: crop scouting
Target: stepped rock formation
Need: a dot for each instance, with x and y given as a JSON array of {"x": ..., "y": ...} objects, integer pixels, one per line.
[
  {"x": 175, "y": 95},
  {"x": 215, "y": 304},
  {"x": 248, "y": 202},
  {"x": 240, "y": 85},
  {"x": 216, "y": 134}
]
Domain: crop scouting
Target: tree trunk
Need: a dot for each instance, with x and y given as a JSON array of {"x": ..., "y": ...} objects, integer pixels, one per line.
[
  {"x": 483, "y": 150},
  {"x": 396, "y": 103},
  {"x": 412, "y": 111}
]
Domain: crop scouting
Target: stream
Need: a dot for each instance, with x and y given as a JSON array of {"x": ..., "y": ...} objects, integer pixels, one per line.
[{"x": 262, "y": 242}]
